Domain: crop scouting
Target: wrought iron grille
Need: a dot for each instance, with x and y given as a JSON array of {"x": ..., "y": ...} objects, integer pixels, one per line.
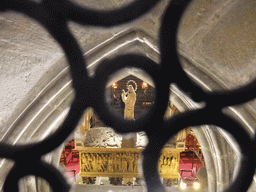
[{"x": 54, "y": 15}]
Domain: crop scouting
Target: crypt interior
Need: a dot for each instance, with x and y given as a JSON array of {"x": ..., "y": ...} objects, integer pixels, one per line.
[{"x": 216, "y": 46}]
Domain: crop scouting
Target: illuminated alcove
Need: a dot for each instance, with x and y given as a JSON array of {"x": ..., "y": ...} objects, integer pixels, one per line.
[{"x": 109, "y": 159}]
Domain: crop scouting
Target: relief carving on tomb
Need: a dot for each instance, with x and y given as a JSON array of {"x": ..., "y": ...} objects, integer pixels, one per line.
[
  {"x": 110, "y": 162},
  {"x": 124, "y": 162},
  {"x": 142, "y": 140},
  {"x": 102, "y": 137},
  {"x": 169, "y": 163}
]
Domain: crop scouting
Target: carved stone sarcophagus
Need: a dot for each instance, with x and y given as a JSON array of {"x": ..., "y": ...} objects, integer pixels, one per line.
[
  {"x": 102, "y": 155},
  {"x": 124, "y": 162}
]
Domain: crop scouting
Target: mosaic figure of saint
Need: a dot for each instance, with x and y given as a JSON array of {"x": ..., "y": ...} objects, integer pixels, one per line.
[{"x": 129, "y": 98}]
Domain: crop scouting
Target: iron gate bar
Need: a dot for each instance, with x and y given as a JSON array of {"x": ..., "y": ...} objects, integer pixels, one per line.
[{"x": 54, "y": 15}]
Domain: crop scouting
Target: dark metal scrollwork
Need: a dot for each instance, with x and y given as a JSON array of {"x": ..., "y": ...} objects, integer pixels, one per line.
[{"x": 54, "y": 15}]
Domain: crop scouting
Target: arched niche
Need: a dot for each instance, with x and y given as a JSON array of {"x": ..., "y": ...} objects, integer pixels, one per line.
[{"x": 44, "y": 109}]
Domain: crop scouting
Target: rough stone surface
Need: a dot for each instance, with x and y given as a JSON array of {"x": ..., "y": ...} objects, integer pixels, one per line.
[{"x": 27, "y": 51}]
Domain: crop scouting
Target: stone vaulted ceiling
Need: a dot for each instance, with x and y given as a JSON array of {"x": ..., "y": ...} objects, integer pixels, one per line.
[{"x": 217, "y": 35}]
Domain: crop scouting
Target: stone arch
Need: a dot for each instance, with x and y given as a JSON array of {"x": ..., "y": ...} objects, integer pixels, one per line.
[{"x": 43, "y": 110}]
